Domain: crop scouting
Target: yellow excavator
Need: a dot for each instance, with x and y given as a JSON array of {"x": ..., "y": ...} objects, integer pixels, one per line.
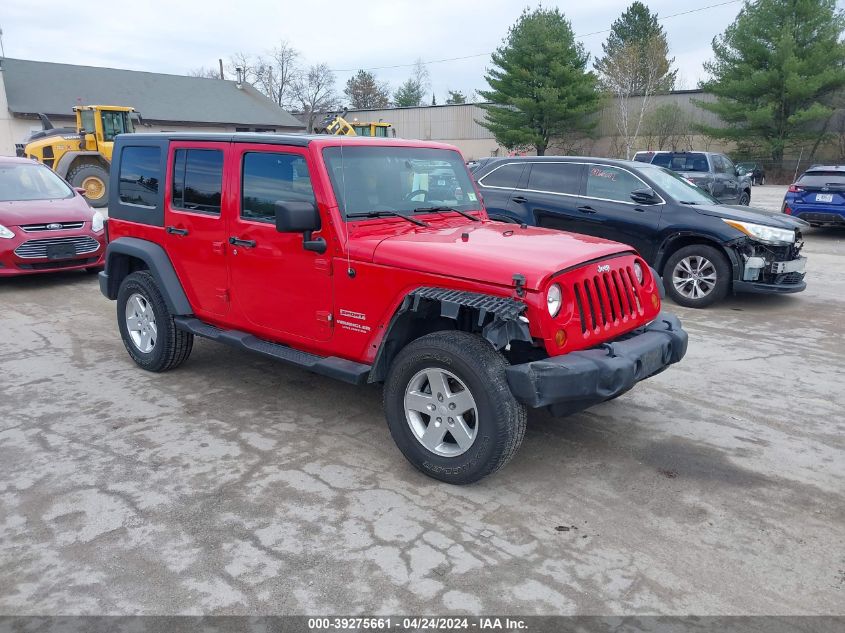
[
  {"x": 82, "y": 155},
  {"x": 335, "y": 123}
]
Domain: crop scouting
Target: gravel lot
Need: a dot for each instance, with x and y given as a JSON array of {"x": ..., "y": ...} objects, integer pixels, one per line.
[{"x": 236, "y": 485}]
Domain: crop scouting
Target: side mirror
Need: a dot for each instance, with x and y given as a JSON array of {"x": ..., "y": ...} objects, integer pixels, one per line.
[
  {"x": 79, "y": 190},
  {"x": 646, "y": 195},
  {"x": 300, "y": 217}
]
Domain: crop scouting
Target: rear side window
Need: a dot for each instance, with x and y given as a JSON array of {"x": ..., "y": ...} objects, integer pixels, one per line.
[
  {"x": 555, "y": 177},
  {"x": 139, "y": 175},
  {"x": 506, "y": 177},
  {"x": 611, "y": 183},
  {"x": 197, "y": 180},
  {"x": 823, "y": 178},
  {"x": 270, "y": 177}
]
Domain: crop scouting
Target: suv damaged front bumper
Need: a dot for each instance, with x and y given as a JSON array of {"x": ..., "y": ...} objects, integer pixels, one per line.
[{"x": 572, "y": 382}]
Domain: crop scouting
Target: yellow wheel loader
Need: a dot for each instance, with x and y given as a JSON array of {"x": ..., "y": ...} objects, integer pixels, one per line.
[
  {"x": 337, "y": 124},
  {"x": 82, "y": 156}
]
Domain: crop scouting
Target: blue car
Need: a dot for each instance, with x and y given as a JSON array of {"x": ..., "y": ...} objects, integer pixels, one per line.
[{"x": 818, "y": 196}]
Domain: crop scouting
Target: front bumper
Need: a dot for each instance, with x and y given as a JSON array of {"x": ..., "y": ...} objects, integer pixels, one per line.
[
  {"x": 572, "y": 382},
  {"x": 13, "y": 264}
]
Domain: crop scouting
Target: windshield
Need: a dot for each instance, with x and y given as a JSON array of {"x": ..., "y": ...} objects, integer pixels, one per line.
[
  {"x": 22, "y": 181},
  {"x": 676, "y": 187},
  {"x": 400, "y": 179},
  {"x": 682, "y": 161}
]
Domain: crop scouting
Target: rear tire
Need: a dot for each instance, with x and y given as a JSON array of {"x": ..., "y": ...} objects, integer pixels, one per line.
[
  {"x": 470, "y": 432},
  {"x": 95, "y": 180},
  {"x": 745, "y": 198},
  {"x": 697, "y": 276},
  {"x": 146, "y": 325}
]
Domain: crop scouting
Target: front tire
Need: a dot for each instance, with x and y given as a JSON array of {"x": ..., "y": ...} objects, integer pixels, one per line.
[
  {"x": 449, "y": 407},
  {"x": 745, "y": 198},
  {"x": 94, "y": 179},
  {"x": 147, "y": 327},
  {"x": 697, "y": 276}
]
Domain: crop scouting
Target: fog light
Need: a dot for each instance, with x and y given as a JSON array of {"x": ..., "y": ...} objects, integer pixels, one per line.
[{"x": 560, "y": 338}]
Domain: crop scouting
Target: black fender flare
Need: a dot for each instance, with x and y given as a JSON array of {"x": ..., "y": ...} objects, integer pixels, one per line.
[
  {"x": 495, "y": 318},
  {"x": 118, "y": 255}
]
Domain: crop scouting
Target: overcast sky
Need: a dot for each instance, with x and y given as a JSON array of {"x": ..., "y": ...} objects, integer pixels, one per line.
[{"x": 177, "y": 36}]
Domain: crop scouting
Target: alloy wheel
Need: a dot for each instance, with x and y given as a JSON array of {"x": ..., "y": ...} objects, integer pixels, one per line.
[
  {"x": 441, "y": 412},
  {"x": 141, "y": 323},
  {"x": 694, "y": 277}
]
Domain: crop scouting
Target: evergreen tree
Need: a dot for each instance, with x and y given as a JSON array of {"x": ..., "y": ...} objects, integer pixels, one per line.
[
  {"x": 637, "y": 30},
  {"x": 364, "y": 91},
  {"x": 772, "y": 71},
  {"x": 456, "y": 96},
  {"x": 539, "y": 85},
  {"x": 410, "y": 93}
]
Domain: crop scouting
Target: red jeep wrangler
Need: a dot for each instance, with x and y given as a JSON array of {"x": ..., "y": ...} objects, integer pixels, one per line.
[{"x": 373, "y": 260}]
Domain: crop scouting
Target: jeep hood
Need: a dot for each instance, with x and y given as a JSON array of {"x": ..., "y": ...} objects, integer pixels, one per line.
[
  {"x": 746, "y": 214},
  {"x": 493, "y": 252}
]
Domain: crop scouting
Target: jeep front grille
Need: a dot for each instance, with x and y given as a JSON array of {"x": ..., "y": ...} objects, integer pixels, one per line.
[
  {"x": 34, "y": 249},
  {"x": 34, "y": 228},
  {"x": 607, "y": 299}
]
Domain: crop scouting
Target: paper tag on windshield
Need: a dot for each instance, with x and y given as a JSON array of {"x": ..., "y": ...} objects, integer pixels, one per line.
[{"x": 471, "y": 197}]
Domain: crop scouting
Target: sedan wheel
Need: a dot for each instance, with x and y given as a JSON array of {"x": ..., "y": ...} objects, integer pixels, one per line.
[{"x": 694, "y": 277}]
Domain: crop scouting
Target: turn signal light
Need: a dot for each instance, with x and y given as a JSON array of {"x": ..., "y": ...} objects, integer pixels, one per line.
[
  {"x": 560, "y": 338},
  {"x": 654, "y": 300}
]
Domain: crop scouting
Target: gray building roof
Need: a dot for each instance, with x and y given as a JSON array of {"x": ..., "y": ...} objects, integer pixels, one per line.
[{"x": 54, "y": 89}]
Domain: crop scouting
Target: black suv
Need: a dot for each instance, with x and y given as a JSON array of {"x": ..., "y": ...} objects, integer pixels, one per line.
[
  {"x": 715, "y": 173},
  {"x": 702, "y": 248}
]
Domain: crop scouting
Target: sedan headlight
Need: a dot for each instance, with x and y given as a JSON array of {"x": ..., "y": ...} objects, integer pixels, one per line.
[
  {"x": 762, "y": 233},
  {"x": 554, "y": 299},
  {"x": 97, "y": 221},
  {"x": 5, "y": 233}
]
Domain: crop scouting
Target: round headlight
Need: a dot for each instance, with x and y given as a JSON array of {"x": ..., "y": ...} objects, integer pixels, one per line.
[
  {"x": 638, "y": 271},
  {"x": 554, "y": 299}
]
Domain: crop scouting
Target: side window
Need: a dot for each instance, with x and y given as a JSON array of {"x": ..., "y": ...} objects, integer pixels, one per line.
[
  {"x": 197, "y": 180},
  {"x": 611, "y": 183},
  {"x": 506, "y": 177},
  {"x": 139, "y": 176},
  {"x": 88, "y": 121},
  {"x": 270, "y": 177},
  {"x": 728, "y": 166},
  {"x": 718, "y": 164},
  {"x": 555, "y": 177}
]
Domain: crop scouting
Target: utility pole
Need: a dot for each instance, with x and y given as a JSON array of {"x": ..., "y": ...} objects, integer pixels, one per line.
[
  {"x": 221, "y": 67},
  {"x": 2, "y": 50}
]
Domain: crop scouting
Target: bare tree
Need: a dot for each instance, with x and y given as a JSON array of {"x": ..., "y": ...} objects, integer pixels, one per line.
[
  {"x": 669, "y": 128},
  {"x": 632, "y": 75},
  {"x": 315, "y": 93},
  {"x": 206, "y": 73},
  {"x": 280, "y": 71}
]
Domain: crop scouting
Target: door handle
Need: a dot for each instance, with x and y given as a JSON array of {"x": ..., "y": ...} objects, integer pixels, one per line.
[
  {"x": 519, "y": 199},
  {"x": 174, "y": 231},
  {"x": 586, "y": 209},
  {"x": 236, "y": 241}
]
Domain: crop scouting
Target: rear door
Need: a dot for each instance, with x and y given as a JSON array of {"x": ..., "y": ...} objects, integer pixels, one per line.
[
  {"x": 550, "y": 196},
  {"x": 617, "y": 217},
  {"x": 497, "y": 187},
  {"x": 277, "y": 285},
  {"x": 195, "y": 233}
]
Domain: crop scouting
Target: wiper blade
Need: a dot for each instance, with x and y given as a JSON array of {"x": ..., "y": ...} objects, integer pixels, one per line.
[
  {"x": 381, "y": 214},
  {"x": 445, "y": 209}
]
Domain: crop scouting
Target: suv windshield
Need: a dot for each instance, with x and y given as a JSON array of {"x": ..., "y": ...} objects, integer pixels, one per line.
[
  {"x": 676, "y": 187},
  {"x": 22, "y": 181},
  {"x": 398, "y": 179},
  {"x": 682, "y": 161}
]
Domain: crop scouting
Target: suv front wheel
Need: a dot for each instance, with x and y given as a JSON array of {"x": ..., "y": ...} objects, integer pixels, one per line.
[
  {"x": 696, "y": 276},
  {"x": 146, "y": 325},
  {"x": 449, "y": 408}
]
